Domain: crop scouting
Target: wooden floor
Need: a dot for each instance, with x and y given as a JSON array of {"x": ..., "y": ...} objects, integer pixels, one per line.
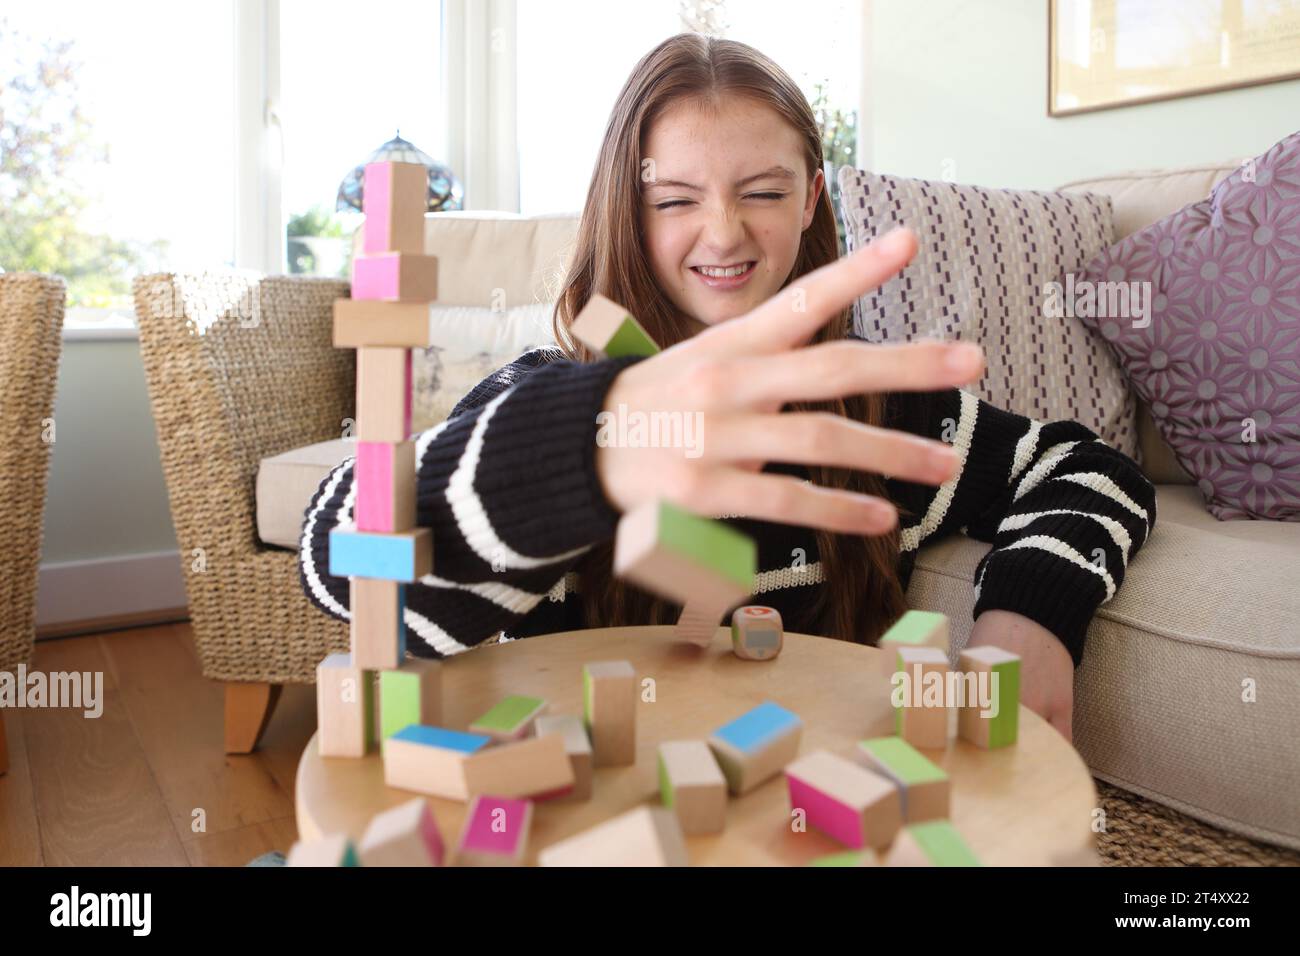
[{"x": 124, "y": 789}]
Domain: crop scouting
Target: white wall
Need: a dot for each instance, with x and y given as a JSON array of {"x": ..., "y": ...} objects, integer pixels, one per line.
[{"x": 961, "y": 87}]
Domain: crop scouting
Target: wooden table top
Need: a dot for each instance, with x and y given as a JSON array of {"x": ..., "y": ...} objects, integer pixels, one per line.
[{"x": 1029, "y": 804}]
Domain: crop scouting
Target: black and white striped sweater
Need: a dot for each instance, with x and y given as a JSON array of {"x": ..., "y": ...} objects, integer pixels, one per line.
[{"x": 509, "y": 487}]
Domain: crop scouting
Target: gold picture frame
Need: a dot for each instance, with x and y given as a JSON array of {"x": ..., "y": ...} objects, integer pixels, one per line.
[{"x": 1105, "y": 54}]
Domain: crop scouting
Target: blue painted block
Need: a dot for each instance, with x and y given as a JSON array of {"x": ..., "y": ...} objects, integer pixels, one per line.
[
  {"x": 441, "y": 737},
  {"x": 405, "y": 556},
  {"x": 751, "y": 731}
]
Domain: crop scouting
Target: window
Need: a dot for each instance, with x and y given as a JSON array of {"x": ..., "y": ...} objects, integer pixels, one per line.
[
  {"x": 115, "y": 136},
  {"x": 350, "y": 78}
]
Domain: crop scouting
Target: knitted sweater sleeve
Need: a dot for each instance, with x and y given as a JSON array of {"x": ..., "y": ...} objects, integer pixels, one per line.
[
  {"x": 1064, "y": 511},
  {"x": 508, "y": 485}
]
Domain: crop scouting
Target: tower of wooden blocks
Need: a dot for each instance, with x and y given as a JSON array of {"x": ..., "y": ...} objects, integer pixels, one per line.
[
  {"x": 701, "y": 564},
  {"x": 393, "y": 282}
]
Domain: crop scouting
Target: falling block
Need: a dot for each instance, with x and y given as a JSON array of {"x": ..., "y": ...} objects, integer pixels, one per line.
[
  {"x": 933, "y": 843},
  {"x": 609, "y": 697},
  {"x": 345, "y": 722},
  {"x": 394, "y": 199},
  {"x": 537, "y": 767},
  {"x": 848, "y": 858},
  {"x": 406, "y": 835},
  {"x": 576, "y": 745},
  {"x": 410, "y": 694},
  {"x": 383, "y": 394},
  {"x": 922, "y": 785},
  {"x": 400, "y": 556},
  {"x": 384, "y": 474},
  {"x": 692, "y": 786},
  {"x": 495, "y": 832},
  {"x": 512, "y": 719},
  {"x": 395, "y": 277},
  {"x": 367, "y": 323},
  {"x": 698, "y": 623},
  {"x": 756, "y": 632},
  {"x": 609, "y": 330},
  {"x": 756, "y": 745},
  {"x": 336, "y": 850},
  {"x": 914, "y": 629},
  {"x": 844, "y": 800},
  {"x": 999, "y": 672},
  {"x": 378, "y": 634},
  {"x": 695, "y": 561},
  {"x": 430, "y": 760},
  {"x": 646, "y": 836},
  {"x": 920, "y": 684}
]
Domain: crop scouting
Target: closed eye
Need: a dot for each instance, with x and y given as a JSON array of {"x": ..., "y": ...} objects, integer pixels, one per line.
[
  {"x": 766, "y": 196},
  {"x": 672, "y": 203}
]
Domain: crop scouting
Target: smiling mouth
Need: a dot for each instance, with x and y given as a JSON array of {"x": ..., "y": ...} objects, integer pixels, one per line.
[{"x": 724, "y": 272}]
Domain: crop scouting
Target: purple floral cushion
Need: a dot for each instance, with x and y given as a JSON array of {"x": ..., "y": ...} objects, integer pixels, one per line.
[{"x": 1217, "y": 354}]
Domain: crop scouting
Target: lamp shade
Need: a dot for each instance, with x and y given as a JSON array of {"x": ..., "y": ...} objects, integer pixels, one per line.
[{"x": 445, "y": 190}]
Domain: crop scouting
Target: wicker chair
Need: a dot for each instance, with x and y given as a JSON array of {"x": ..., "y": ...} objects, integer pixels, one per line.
[
  {"x": 241, "y": 367},
  {"x": 31, "y": 323}
]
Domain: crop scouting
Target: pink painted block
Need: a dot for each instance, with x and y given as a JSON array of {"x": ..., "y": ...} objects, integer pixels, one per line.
[
  {"x": 385, "y": 478},
  {"x": 377, "y": 204},
  {"x": 827, "y": 814},
  {"x": 395, "y": 277},
  {"x": 496, "y": 827},
  {"x": 394, "y": 200}
]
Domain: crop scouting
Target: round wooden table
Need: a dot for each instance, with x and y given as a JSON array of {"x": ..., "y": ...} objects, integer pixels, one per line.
[{"x": 1029, "y": 804}]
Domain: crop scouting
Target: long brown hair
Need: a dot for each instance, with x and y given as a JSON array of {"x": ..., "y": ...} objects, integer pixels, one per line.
[{"x": 861, "y": 594}]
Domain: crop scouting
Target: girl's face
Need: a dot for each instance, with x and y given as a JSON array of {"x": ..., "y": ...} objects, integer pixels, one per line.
[{"x": 725, "y": 201}]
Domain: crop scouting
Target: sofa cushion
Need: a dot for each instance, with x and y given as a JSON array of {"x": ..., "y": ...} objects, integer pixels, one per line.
[
  {"x": 285, "y": 484},
  {"x": 1207, "y": 613}
]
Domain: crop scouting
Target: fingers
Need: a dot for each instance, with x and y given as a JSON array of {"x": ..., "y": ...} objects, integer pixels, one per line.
[
  {"x": 786, "y": 500},
  {"x": 823, "y": 439},
  {"x": 793, "y": 315},
  {"x": 837, "y": 369}
]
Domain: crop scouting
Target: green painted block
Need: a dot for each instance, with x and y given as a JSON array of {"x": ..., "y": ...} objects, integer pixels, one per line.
[
  {"x": 915, "y": 628},
  {"x": 587, "y": 688},
  {"x": 350, "y": 857},
  {"x": 941, "y": 842},
  {"x": 906, "y": 764},
  {"x": 711, "y": 543},
  {"x": 399, "y": 701},
  {"x": 630, "y": 339},
  {"x": 507, "y": 716},
  {"x": 666, "y": 792},
  {"x": 1005, "y": 727},
  {"x": 846, "y": 858}
]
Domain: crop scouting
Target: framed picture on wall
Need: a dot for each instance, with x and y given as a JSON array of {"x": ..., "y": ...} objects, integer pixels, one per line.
[{"x": 1104, "y": 54}]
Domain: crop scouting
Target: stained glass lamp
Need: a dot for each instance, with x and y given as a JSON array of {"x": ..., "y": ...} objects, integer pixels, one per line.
[{"x": 445, "y": 191}]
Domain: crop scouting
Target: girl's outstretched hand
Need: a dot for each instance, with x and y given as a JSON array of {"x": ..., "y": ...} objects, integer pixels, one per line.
[{"x": 732, "y": 380}]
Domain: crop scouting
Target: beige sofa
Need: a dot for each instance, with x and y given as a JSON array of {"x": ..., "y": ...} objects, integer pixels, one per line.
[{"x": 1190, "y": 689}]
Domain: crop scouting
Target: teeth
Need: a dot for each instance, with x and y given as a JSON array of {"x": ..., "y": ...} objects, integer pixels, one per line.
[{"x": 715, "y": 272}]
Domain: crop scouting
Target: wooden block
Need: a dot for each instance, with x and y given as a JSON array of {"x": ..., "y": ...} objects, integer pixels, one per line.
[
  {"x": 610, "y": 331},
  {"x": 383, "y": 394},
  {"x": 692, "y": 786},
  {"x": 1002, "y": 668},
  {"x": 537, "y": 767},
  {"x": 345, "y": 721},
  {"x": 395, "y": 277},
  {"x": 923, "y": 719},
  {"x": 410, "y": 694},
  {"x": 576, "y": 744},
  {"x": 934, "y": 843},
  {"x": 844, "y": 800},
  {"x": 400, "y": 556},
  {"x": 336, "y": 850},
  {"x": 495, "y": 832},
  {"x": 645, "y": 836},
  {"x": 609, "y": 698},
  {"x": 430, "y": 760},
  {"x": 914, "y": 629},
  {"x": 922, "y": 785},
  {"x": 683, "y": 557},
  {"x": 756, "y": 745},
  {"x": 394, "y": 198},
  {"x": 756, "y": 632},
  {"x": 367, "y": 323},
  {"x": 385, "y": 480},
  {"x": 378, "y": 634},
  {"x": 698, "y": 623},
  {"x": 848, "y": 858},
  {"x": 512, "y": 719},
  {"x": 406, "y": 835}
]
